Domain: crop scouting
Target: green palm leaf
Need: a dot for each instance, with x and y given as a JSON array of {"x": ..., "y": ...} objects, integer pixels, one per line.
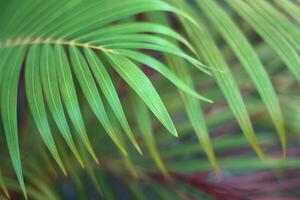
[
  {"x": 69, "y": 97},
  {"x": 36, "y": 103},
  {"x": 89, "y": 88},
  {"x": 139, "y": 82},
  {"x": 70, "y": 55},
  {"x": 109, "y": 91},
  {"x": 162, "y": 69},
  {"x": 52, "y": 96},
  {"x": 57, "y": 23}
]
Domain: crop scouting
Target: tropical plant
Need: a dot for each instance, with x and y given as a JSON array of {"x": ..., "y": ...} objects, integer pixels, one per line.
[{"x": 91, "y": 83}]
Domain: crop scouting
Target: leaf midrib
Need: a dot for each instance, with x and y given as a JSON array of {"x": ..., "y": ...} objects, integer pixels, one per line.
[{"x": 39, "y": 40}]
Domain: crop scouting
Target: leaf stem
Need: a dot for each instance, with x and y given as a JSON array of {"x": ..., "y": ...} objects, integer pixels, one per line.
[{"x": 40, "y": 40}]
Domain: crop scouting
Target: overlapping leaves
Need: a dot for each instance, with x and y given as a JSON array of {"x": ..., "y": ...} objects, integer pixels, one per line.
[
  {"x": 64, "y": 37},
  {"x": 62, "y": 43}
]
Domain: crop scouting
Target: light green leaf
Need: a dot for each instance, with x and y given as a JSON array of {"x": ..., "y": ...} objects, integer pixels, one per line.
[
  {"x": 162, "y": 69},
  {"x": 109, "y": 92},
  {"x": 143, "y": 38},
  {"x": 52, "y": 96},
  {"x": 290, "y": 7},
  {"x": 35, "y": 99},
  {"x": 154, "y": 47},
  {"x": 89, "y": 88},
  {"x": 130, "y": 28},
  {"x": 139, "y": 82},
  {"x": 69, "y": 97}
]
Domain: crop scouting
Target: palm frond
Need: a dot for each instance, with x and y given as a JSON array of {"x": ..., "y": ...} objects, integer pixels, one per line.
[
  {"x": 77, "y": 25},
  {"x": 88, "y": 67}
]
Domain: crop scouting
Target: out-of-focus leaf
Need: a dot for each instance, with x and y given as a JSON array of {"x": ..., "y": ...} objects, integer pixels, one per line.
[
  {"x": 145, "y": 127},
  {"x": 291, "y": 8},
  {"x": 225, "y": 80},
  {"x": 191, "y": 104},
  {"x": 250, "y": 61},
  {"x": 3, "y": 186},
  {"x": 273, "y": 37}
]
